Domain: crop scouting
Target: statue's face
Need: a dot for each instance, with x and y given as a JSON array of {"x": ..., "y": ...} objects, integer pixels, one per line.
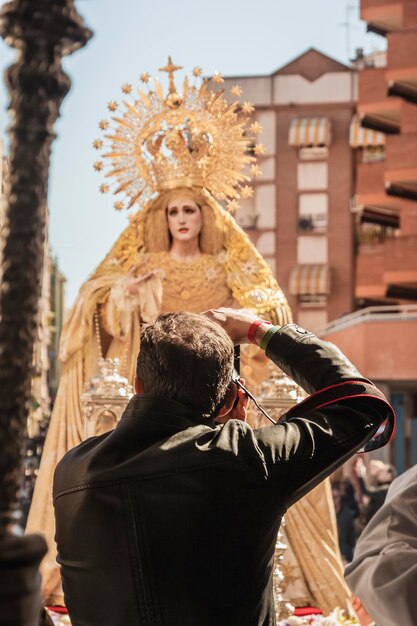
[{"x": 184, "y": 219}]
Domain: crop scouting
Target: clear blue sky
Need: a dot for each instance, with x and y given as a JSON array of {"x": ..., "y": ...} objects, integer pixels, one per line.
[{"x": 236, "y": 37}]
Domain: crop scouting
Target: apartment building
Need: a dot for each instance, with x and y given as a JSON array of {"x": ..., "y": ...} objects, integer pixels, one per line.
[
  {"x": 380, "y": 338},
  {"x": 300, "y": 216}
]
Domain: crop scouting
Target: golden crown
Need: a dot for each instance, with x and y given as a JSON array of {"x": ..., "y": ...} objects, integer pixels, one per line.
[{"x": 182, "y": 139}]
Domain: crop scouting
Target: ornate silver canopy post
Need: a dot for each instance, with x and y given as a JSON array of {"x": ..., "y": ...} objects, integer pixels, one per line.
[
  {"x": 42, "y": 31},
  {"x": 106, "y": 395},
  {"x": 105, "y": 398},
  {"x": 278, "y": 393}
]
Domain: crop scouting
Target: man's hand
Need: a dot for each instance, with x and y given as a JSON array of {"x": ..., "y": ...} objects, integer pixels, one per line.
[
  {"x": 364, "y": 618},
  {"x": 239, "y": 410},
  {"x": 237, "y": 322}
]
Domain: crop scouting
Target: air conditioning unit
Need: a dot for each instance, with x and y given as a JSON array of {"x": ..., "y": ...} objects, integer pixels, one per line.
[{"x": 305, "y": 223}]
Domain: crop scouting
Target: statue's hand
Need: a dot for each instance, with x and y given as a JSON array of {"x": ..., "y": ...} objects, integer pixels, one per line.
[{"x": 132, "y": 283}]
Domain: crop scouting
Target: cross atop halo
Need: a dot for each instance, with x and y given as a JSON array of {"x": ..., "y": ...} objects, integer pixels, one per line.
[{"x": 170, "y": 68}]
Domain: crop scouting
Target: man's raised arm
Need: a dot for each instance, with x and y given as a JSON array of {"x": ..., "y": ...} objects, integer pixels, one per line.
[{"x": 343, "y": 414}]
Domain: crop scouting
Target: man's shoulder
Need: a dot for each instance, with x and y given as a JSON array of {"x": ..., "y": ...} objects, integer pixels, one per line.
[
  {"x": 70, "y": 470},
  {"x": 117, "y": 456}
]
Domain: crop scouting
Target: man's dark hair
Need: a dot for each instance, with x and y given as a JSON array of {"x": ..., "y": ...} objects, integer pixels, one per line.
[{"x": 188, "y": 358}]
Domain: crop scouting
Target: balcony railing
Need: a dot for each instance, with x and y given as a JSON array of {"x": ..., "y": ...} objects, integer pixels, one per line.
[
  {"x": 392, "y": 313},
  {"x": 371, "y": 234}
]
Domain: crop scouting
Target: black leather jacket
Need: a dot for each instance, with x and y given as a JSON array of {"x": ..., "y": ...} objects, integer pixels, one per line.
[{"x": 170, "y": 520}]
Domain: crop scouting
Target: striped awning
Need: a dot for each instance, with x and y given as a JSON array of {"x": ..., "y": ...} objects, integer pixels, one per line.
[
  {"x": 309, "y": 131},
  {"x": 360, "y": 137},
  {"x": 309, "y": 279}
]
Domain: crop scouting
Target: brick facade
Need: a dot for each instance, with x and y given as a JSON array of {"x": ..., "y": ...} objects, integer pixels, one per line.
[{"x": 311, "y": 86}]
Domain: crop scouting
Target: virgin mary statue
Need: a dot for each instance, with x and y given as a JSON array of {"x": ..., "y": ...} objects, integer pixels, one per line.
[{"x": 177, "y": 155}]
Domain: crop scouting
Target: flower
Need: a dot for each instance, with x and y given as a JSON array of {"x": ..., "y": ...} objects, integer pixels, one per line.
[
  {"x": 249, "y": 267},
  {"x": 211, "y": 273},
  {"x": 145, "y": 77},
  {"x": 222, "y": 257},
  {"x": 197, "y": 71}
]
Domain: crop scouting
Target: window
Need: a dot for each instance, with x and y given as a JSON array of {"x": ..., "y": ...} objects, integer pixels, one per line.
[
  {"x": 312, "y": 176},
  {"x": 246, "y": 215},
  {"x": 267, "y": 166},
  {"x": 265, "y": 204},
  {"x": 267, "y": 137},
  {"x": 312, "y": 212},
  {"x": 311, "y": 249},
  {"x": 266, "y": 244},
  {"x": 313, "y": 319}
]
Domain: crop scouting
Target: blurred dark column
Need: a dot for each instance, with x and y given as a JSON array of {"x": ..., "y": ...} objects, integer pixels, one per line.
[{"x": 42, "y": 31}]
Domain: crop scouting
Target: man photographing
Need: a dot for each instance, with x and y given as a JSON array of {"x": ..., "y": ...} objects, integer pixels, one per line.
[{"x": 171, "y": 519}]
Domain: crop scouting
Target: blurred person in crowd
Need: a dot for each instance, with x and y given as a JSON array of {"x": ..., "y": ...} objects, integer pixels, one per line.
[
  {"x": 374, "y": 483},
  {"x": 345, "y": 523},
  {"x": 383, "y": 572},
  {"x": 348, "y": 494}
]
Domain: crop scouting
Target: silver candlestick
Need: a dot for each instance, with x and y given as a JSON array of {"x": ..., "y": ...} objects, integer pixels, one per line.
[
  {"x": 278, "y": 394},
  {"x": 283, "y": 608}
]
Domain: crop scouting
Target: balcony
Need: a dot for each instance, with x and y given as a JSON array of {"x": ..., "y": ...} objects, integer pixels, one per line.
[
  {"x": 370, "y": 178},
  {"x": 370, "y": 272},
  {"x": 402, "y": 152},
  {"x": 402, "y": 62},
  {"x": 379, "y": 340},
  {"x": 371, "y": 197},
  {"x": 401, "y": 166},
  {"x": 372, "y": 85},
  {"x": 400, "y": 263},
  {"x": 376, "y": 109},
  {"x": 382, "y": 16}
]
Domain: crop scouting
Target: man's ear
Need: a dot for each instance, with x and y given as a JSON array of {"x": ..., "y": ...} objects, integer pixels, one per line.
[
  {"x": 228, "y": 403},
  {"x": 139, "y": 386}
]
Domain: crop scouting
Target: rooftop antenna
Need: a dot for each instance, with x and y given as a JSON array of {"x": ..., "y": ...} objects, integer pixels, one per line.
[{"x": 347, "y": 25}]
